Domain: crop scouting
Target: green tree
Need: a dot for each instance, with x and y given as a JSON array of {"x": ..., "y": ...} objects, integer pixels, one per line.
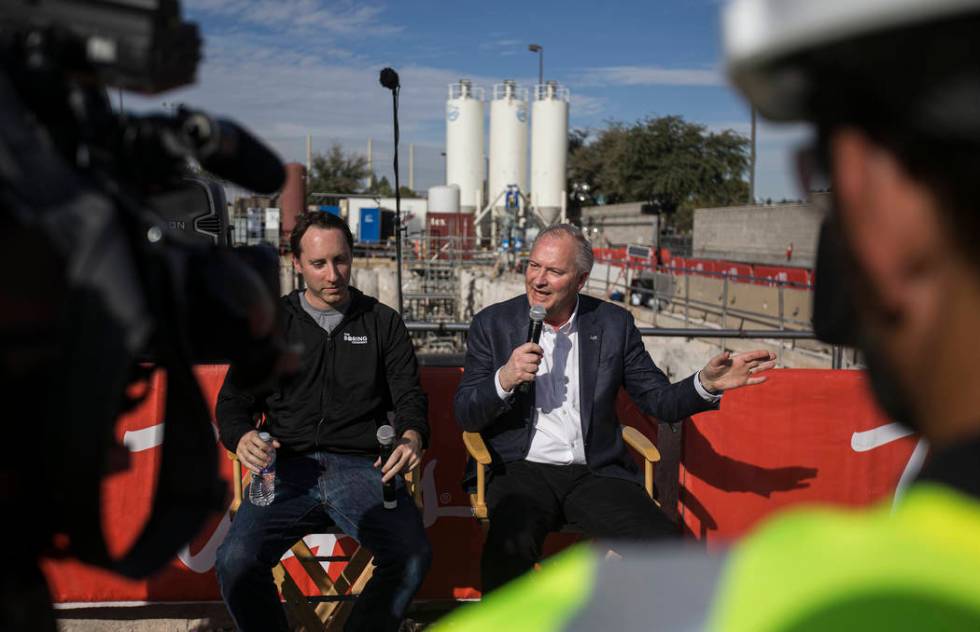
[
  {"x": 381, "y": 188},
  {"x": 665, "y": 161},
  {"x": 338, "y": 172},
  {"x": 408, "y": 193}
]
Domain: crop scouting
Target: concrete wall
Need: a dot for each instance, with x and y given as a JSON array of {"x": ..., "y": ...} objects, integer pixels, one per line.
[
  {"x": 620, "y": 224},
  {"x": 481, "y": 289},
  {"x": 376, "y": 278},
  {"x": 757, "y": 234}
]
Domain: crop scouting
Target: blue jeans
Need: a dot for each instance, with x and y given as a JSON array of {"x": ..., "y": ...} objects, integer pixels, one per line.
[{"x": 313, "y": 492}]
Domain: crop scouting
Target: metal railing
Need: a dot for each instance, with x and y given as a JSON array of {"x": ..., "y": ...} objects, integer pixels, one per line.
[{"x": 631, "y": 273}]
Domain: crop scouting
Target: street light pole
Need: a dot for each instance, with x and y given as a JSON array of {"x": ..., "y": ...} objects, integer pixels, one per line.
[
  {"x": 537, "y": 48},
  {"x": 752, "y": 162}
]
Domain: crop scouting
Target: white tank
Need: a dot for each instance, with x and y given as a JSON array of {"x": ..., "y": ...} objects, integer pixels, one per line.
[
  {"x": 508, "y": 141},
  {"x": 549, "y": 149},
  {"x": 464, "y": 143},
  {"x": 443, "y": 199}
]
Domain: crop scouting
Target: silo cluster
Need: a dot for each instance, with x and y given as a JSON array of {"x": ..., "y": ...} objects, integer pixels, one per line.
[{"x": 506, "y": 167}]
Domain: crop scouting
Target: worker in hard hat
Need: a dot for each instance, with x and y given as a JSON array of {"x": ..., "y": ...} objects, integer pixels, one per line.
[{"x": 892, "y": 88}]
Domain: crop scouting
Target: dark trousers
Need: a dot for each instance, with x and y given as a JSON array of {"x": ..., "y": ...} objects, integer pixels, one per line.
[
  {"x": 526, "y": 501},
  {"x": 312, "y": 493}
]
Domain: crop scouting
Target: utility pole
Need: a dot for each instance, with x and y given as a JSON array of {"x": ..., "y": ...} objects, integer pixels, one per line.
[
  {"x": 539, "y": 49},
  {"x": 309, "y": 157},
  {"x": 752, "y": 163},
  {"x": 370, "y": 161},
  {"x": 411, "y": 166}
]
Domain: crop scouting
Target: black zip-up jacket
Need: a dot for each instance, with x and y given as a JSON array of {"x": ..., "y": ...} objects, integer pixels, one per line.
[{"x": 347, "y": 382}]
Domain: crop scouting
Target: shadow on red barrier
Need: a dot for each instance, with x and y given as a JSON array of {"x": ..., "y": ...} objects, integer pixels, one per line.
[{"x": 732, "y": 475}]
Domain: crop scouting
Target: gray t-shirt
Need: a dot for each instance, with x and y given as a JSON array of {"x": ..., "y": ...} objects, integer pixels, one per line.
[{"x": 326, "y": 318}]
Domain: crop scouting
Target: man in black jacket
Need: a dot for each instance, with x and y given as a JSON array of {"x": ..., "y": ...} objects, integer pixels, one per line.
[
  {"x": 357, "y": 365},
  {"x": 557, "y": 446}
]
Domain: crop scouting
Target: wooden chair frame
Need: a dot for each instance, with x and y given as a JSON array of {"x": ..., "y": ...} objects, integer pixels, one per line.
[
  {"x": 329, "y": 610},
  {"x": 477, "y": 450}
]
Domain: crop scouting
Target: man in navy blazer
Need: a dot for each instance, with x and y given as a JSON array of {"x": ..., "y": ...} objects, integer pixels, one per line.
[{"x": 557, "y": 444}]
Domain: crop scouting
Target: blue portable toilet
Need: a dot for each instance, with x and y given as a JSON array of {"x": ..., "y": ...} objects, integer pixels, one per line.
[
  {"x": 369, "y": 228},
  {"x": 333, "y": 210}
]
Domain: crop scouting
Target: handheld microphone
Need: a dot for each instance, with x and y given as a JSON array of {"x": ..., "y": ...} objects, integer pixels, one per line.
[
  {"x": 534, "y": 326},
  {"x": 386, "y": 437}
]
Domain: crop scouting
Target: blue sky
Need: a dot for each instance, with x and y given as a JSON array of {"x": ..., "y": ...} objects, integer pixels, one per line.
[{"x": 288, "y": 68}]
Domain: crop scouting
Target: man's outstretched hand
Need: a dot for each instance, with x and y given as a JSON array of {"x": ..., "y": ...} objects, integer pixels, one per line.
[{"x": 728, "y": 370}]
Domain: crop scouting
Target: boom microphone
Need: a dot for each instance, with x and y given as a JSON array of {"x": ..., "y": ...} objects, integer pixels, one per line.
[
  {"x": 386, "y": 437},
  {"x": 389, "y": 79},
  {"x": 536, "y": 316}
]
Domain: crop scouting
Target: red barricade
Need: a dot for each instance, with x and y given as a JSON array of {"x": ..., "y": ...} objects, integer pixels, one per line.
[
  {"x": 806, "y": 435},
  {"x": 756, "y": 274}
]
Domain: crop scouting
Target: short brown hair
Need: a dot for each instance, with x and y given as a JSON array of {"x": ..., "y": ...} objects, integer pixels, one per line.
[{"x": 318, "y": 219}]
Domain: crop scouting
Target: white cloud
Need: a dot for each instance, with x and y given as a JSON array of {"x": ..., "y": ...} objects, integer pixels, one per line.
[
  {"x": 504, "y": 47},
  {"x": 344, "y": 17},
  {"x": 651, "y": 76},
  {"x": 585, "y": 106}
]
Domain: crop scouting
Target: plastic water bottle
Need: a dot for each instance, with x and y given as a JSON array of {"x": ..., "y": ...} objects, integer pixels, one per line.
[{"x": 262, "y": 491}]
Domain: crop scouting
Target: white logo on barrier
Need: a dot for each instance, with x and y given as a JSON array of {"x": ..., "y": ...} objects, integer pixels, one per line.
[
  {"x": 431, "y": 511},
  {"x": 203, "y": 561},
  {"x": 883, "y": 435}
]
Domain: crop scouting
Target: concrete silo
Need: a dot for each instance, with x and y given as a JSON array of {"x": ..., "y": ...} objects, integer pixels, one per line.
[
  {"x": 549, "y": 150},
  {"x": 464, "y": 143},
  {"x": 508, "y": 143}
]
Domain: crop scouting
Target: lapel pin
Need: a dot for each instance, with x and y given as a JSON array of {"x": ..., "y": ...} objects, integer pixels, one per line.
[{"x": 593, "y": 337}]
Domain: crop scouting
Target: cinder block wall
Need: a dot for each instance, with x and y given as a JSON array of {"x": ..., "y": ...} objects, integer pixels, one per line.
[
  {"x": 757, "y": 234},
  {"x": 620, "y": 224}
]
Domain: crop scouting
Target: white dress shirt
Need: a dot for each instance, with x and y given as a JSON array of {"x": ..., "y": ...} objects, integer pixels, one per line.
[{"x": 557, "y": 437}]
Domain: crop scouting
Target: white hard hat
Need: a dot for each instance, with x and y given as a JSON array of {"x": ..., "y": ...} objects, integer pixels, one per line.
[{"x": 760, "y": 35}]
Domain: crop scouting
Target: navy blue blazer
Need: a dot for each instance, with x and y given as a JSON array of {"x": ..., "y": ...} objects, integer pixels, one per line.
[{"x": 611, "y": 355}]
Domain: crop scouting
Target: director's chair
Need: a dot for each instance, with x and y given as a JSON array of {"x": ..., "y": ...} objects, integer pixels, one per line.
[
  {"x": 478, "y": 451},
  {"x": 329, "y": 609}
]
